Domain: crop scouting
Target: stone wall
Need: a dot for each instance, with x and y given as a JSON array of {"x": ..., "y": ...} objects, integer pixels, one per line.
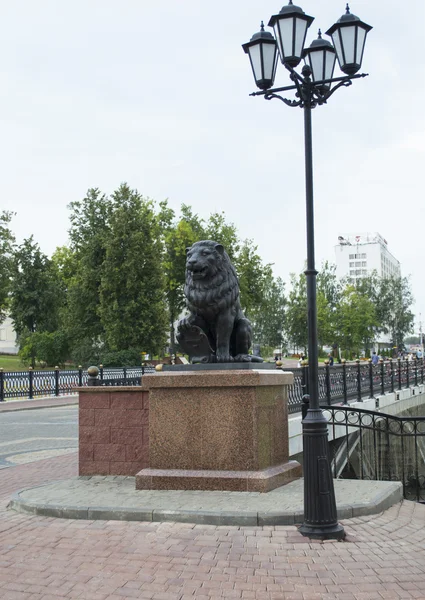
[{"x": 113, "y": 431}]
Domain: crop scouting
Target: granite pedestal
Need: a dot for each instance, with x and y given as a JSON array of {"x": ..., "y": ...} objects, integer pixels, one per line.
[{"x": 218, "y": 430}]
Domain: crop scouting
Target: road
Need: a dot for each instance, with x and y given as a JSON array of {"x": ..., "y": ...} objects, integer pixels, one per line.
[{"x": 30, "y": 435}]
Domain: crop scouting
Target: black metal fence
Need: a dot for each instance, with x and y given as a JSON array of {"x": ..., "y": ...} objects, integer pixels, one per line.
[
  {"x": 337, "y": 384},
  {"x": 375, "y": 446},
  {"x": 356, "y": 381},
  {"x": 32, "y": 383}
]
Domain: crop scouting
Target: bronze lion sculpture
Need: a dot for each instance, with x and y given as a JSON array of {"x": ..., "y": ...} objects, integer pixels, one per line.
[{"x": 216, "y": 329}]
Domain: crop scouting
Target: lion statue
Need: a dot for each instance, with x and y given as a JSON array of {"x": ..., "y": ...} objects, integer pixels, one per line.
[{"x": 216, "y": 329}]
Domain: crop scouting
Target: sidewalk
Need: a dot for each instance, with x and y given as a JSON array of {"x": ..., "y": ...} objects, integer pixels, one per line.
[
  {"x": 43, "y": 558},
  {"x": 43, "y": 402}
]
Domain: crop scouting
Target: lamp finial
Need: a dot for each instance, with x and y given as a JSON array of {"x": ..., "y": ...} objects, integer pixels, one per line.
[
  {"x": 290, "y": 2},
  {"x": 262, "y": 25},
  {"x": 347, "y": 9},
  {"x": 320, "y": 34}
]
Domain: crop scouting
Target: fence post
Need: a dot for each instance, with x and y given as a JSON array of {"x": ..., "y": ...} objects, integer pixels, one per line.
[
  {"x": 93, "y": 374},
  {"x": 399, "y": 372},
  {"x": 31, "y": 382},
  {"x": 371, "y": 379},
  {"x": 305, "y": 405},
  {"x": 416, "y": 372},
  {"x": 101, "y": 372},
  {"x": 80, "y": 376},
  {"x": 407, "y": 374},
  {"x": 381, "y": 360},
  {"x": 125, "y": 374},
  {"x": 344, "y": 381},
  {"x": 422, "y": 370},
  {"x": 328, "y": 382},
  {"x": 359, "y": 382},
  {"x": 304, "y": 377},
  {"x": 56, "y": 381},
  {"x": 1, "y": 385},
  {"x": 392, "y": 374}
]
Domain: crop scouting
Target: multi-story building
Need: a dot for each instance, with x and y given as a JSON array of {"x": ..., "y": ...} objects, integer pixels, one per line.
[
  {"x": 8, "y": 343},
  {"x": 358, "y": 255}
]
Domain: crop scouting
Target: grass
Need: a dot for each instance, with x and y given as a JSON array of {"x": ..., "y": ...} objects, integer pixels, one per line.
[{"x": 11, "y": 363}]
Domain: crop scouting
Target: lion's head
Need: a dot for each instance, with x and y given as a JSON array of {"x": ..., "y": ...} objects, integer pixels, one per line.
[{"x": 211, "y": 279}]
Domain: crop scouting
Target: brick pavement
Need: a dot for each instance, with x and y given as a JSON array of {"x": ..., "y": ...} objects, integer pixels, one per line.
[{"x": 50, "y": 559}]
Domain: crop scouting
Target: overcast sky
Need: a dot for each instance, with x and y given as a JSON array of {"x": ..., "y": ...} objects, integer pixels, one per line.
[{"x": 97, "y": 92}]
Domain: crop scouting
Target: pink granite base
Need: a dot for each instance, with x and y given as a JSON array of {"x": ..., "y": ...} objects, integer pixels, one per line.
[
  {"x": 235, "y": 481},
  {"x": 218, "y": 430}
]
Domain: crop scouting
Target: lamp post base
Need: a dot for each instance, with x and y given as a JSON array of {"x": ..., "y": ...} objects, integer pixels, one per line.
[
  {"x": 320, "y": 514},
  {"x": 334, "y": 532}
]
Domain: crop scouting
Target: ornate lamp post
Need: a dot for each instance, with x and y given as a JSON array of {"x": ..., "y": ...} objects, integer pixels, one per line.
[{"x": 313, "y": 87}]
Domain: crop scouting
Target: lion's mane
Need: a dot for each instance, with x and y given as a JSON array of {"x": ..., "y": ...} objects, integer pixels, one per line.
[{"x": 216, "y": 292}]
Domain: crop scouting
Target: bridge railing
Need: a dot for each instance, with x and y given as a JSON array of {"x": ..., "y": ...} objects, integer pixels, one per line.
[
  {"x": 355, "y": 381},
  {"x": 376, "y": 446},
  {"x": 337, "y": 384},
  {"x": 34, "y": 383}
]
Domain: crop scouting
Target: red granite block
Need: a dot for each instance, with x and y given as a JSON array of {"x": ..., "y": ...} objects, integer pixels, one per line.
[
  {"x": 109, "y": 452},
  {"x": 127, "y": 400},
  {"x": 95, "y": 435},
  {"x": 137, "y": 454},
  {"x": 128, "y": 435},
  {"x": 85, "y": 417},
  {"x": 98, "y": 400},
  {"x": 120, "y": 418},
  {"x": 86, "y": 452},
  {"x": 124, "y": 468},
  {"x": 94, "y": 468}
]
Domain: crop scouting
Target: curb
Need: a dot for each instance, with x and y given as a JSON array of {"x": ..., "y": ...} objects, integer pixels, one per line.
[
  {"x": 19, "y": 405},
  {"x": 240, "y": 519}
]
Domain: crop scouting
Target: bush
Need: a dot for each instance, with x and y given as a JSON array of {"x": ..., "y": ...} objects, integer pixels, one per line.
[
  {"x": 49, "y": 348},
  {"x": 121, "y": 358}
]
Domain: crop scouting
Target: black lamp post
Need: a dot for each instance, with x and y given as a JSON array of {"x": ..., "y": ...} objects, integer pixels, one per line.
[{"x": 312, "y": 88}]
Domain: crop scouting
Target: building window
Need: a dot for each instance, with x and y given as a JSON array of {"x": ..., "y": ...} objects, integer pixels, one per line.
[
  {"x": 2, "y": 335},
  {"x": 352, "y": 273},
  {"x": 364, "y": 264},
  {"x": 364, "y": 272}
]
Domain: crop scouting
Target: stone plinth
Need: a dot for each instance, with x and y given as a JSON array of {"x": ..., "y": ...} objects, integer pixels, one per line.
[
  {"x": 218, "y": 430},
  {"x": 113, "y": 430}
]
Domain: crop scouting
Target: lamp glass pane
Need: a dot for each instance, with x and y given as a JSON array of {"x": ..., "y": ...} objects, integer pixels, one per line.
[
  {"x": 338, "y": 48},
  {"x": 348, "y": 40},
  {"x": 269, "y": 58},
  {"x": 300, "y": 33},
  {"x": 255, "y": 56},
  {"x": 330, "y": 59},
  {"x": 285, "y": 35},
  {"x": 361, "y": 37},
  {"x": 316, "y": 64}
]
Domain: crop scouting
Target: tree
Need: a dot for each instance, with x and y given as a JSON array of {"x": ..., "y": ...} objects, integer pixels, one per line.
[
  {"x": 7, "y": 241},
  {"x": 253, "y": 277},
  {"x": 268, "y": 318},
  {"x": 35, "y": 293},
  {"x": 89, "y": 231},
  {"x": 397, "y": 299},
  {"x": 328, "y": 299},
  {"x": 177, "y": 239},
  {"x": 296, "y": 313},
  {"x": 355, "y": 320},
  {"x": 217, "y": 230},
  {"x": 132, "y": 306}
]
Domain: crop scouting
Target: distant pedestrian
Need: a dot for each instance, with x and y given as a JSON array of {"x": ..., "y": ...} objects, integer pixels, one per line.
[
  {"x": 375, "y": 358},
  {"x": 331, "y": 360}
]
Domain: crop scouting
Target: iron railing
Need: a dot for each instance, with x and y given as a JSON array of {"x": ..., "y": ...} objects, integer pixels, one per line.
[
  {"x": 376, "y": 446},
  {"x": 337, "y": 384},
  {"x": 31, "y": 384},
  {"x": 356, "y": 381}
]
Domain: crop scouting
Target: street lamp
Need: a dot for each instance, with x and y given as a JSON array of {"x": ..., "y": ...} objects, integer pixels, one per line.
[{"x": 312, "y": 88}]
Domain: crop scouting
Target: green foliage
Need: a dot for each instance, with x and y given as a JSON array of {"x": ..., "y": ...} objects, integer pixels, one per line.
[
  {"x": 296, "y": 313},
  {"x": 7, "y": 241},
  {"x": 49, "y": 348},
  {"x": 121, "y": 358},
  {"x": 132, "y": 307},
  {"x": 254, "y": 277},
  {"x": 268, "y": 317},
  {"x": 36, "y": 295}
]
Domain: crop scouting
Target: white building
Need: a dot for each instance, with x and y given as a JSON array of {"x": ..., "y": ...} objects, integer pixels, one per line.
[
  {"x": 7, "y": 338},
  {"x": 358, "y": 255}
]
